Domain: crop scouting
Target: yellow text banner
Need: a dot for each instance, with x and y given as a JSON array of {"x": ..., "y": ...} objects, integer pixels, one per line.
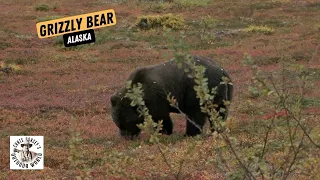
[{"x": 77, "y": 23}]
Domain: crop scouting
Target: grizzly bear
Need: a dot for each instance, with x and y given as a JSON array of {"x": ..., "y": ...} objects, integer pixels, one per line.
[{"x": 160, "y": 80}]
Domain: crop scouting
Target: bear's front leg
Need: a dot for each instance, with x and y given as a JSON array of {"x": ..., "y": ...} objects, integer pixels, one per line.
[
  {"x": 195, "y": 123},
  {"x": 167, "y": 126}
]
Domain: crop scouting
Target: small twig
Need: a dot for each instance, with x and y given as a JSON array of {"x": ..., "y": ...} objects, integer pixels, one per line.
[
  {"x": 265, "y": 141},
  {"x": 188, "y": 119},
  {"x": 227, "y": 140},
  {"x": 222, "y": 160},
  {"x": 303, "y": 129},
  {"x": 166, "y": 161},
  {"x": 286, "y": 174},
  {"x": 314, "y": 53},
  {"x": 180, "y": 168},
  {"x": 292, "y": 115},
  {"x": 292, "y": 148}
]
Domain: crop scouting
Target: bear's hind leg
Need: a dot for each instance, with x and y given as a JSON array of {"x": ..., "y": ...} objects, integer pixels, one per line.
[{"x": 222, "y": 114}]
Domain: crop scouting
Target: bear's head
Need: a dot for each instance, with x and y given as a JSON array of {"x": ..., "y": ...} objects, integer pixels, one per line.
[{"x": 124, "y": 115}]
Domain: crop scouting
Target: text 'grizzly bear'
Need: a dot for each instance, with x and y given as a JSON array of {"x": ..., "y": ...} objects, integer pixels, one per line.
[{"x": 160, "y": 80}]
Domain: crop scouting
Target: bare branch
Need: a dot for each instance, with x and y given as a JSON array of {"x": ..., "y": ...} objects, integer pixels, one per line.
[
  {"x": 227, "y": 140},
  {"x": 167, "y": 162}
]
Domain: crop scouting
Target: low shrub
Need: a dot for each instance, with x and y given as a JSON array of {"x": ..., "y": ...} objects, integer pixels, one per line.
[
  {"x": 182, "y": 4},
  {"x": 42, "y": 7},
  {"x": 171, "y": 21},
  {"x": 259, "y": 29}
]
